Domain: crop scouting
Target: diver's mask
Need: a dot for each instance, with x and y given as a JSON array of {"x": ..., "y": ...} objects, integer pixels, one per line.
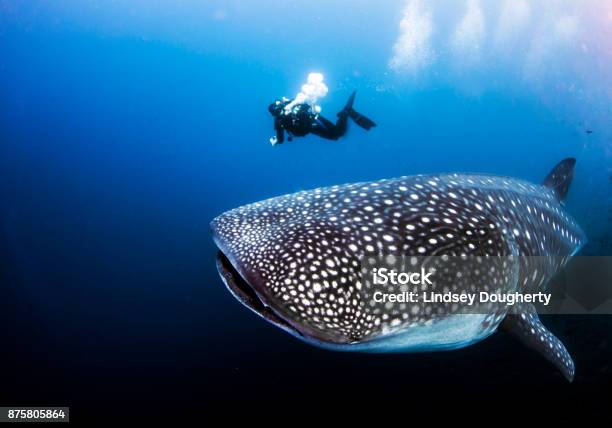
[{"x": 276, "y": 108}]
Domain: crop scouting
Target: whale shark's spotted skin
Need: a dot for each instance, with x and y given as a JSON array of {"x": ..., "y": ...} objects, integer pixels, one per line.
[{"x": 301, "y": 252}]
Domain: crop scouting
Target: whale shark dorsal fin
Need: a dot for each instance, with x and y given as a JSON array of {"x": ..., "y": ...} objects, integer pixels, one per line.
[
  {"x": 523, "y": 323},
  {"x": 560, "y": 178}
]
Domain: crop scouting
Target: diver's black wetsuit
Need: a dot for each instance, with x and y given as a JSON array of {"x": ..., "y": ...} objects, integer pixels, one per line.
[{"x": 302, "y": 120}]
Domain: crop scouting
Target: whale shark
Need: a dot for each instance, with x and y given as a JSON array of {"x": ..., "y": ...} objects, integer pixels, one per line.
[{"x": 297, "y": 260}]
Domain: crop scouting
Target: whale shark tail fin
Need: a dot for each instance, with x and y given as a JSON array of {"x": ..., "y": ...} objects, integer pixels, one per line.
[{"x": 560, "y": 178}]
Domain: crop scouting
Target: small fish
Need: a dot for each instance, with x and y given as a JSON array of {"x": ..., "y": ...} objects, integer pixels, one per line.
[{"x": 295, "y": 260}]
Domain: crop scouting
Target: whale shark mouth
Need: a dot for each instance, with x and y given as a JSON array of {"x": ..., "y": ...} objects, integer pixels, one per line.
[
  {"x": 246, "y": 294},
  {"x": 249, "y": 287}
]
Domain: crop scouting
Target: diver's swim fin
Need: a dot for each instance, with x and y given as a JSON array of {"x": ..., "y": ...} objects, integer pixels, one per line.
[
  {"x": 361, "y": 120},
  {"x": 349, "y": 103},
  {"x": 358, "y": 118},
  {"x": 348, "y": 106}
]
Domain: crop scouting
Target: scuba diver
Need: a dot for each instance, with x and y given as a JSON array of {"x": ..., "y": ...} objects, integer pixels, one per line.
[{"x": 301, "y": 118}]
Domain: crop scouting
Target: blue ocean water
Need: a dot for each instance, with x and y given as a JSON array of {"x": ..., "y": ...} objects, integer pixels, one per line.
[{"x": 126, "y": 127}]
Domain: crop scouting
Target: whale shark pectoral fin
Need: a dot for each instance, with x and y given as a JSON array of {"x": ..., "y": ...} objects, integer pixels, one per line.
[{"x": 523, "y": 323}]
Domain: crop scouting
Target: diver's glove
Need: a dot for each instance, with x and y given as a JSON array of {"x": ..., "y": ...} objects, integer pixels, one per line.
[{"x": 274, "y": 141}]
